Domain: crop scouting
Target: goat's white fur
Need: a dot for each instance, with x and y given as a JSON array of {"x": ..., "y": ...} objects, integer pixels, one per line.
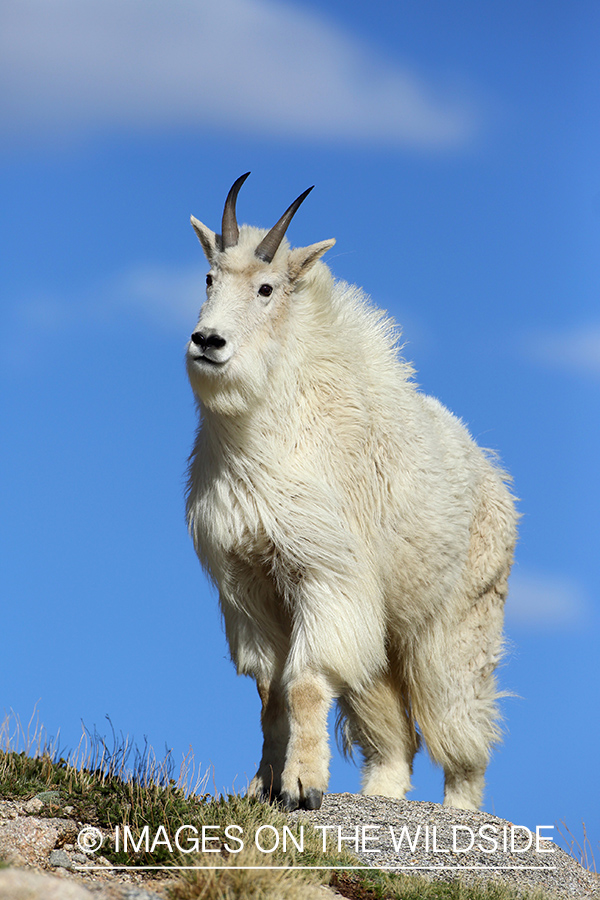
[{"x": 360, "y": 540}]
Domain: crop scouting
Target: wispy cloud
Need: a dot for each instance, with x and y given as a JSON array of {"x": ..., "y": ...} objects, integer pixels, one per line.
[
  {"x": 544, "y": 601},
  {"x": 168, "y": 296},
  {"x": 71, "y": 67},
  {"x": 153, "y": 296},
  {"x": 577, "y": 350}
]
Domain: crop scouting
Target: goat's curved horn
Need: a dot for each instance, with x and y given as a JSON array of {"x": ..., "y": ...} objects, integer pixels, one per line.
[
  {"x": 229, "y": 229},
  {"x": 267, "y": 248}
]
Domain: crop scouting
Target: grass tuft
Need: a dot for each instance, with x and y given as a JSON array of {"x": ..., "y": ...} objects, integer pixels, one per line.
[{"x": 582, "y": 851}]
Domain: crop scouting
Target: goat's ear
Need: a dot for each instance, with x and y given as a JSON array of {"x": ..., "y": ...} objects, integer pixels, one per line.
[
  {"x": 207, "y": 238},
  {"x": 302, "y": 259}
]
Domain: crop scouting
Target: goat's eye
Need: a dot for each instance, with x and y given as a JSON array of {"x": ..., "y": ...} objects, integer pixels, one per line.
[
  {"x": 265, "y": 290},
  {"x": 208, "y": 280}
]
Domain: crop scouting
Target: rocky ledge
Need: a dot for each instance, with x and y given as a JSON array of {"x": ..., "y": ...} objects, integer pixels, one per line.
[{"x": 441, "y": 843}]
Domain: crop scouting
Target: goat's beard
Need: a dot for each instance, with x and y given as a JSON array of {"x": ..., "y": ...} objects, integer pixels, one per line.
[{"x": 234, "y": 391}]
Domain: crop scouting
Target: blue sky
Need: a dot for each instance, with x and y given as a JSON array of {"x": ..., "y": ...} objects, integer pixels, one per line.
[{"x": 454, "y": 151}]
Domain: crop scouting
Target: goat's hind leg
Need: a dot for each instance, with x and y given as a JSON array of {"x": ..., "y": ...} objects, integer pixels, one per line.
[
  {"x": 455, "y": 696},
  {"x": 477, "y": 645},
  {"x": 479, "y": 639},
  {"x": 377, "y": 720}
]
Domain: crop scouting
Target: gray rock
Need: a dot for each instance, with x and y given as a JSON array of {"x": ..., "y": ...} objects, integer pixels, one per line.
[
  {"x": 137, "y": 893},
  {"x": 48, "y": 796},
  {"x": 60, "y": 859},
  {"x": 27, "y": 840}
]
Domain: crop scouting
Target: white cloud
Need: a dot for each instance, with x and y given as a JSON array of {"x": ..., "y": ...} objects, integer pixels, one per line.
[
  {"x": 167, "y": 297},
  {"x": 577, "y": 350},
  {"x": 71, "y": 67},
  {"x": 171, "y": 297},
  {"x": 545, "y": 601}
]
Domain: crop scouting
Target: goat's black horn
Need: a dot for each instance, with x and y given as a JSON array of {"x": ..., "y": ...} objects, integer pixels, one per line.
[
  {"x": 229, "y": 229},
  {"x": 267, "y": 248}
]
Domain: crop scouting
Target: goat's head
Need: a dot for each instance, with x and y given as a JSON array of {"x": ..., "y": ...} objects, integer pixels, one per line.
[{"x": 243, "y": 323}]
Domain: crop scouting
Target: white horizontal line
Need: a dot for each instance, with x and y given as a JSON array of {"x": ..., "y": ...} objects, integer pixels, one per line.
[{"x": 325, "y": 868}]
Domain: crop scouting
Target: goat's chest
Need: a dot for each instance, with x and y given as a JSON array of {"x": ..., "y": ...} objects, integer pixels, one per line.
[
  {"x": 236, "y": 515},
  {"x": 269, "y": 521}
]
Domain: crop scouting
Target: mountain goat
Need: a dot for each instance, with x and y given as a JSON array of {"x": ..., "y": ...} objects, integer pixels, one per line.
[{"x": 359, "y": 538}]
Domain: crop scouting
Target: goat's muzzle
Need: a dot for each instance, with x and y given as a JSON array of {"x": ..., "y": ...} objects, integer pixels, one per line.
[
  {"x": 204, "y": 341},
  {"x": 213, "y": 347}
]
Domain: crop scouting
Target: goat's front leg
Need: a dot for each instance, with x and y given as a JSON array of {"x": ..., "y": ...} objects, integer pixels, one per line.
[
  {"x": 266, "y": 784},
  {"x": 306, "y": 771}
]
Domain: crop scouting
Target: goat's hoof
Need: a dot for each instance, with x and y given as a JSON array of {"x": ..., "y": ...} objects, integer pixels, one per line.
[
  {"x": 313, "y": 799},
  {"x": 287, "y": 802}
]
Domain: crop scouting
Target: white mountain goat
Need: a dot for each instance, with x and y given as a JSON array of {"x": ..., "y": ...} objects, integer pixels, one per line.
[{"x": 359, "y": 538}]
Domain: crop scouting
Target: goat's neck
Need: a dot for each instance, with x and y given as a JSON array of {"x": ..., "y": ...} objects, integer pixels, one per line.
[{"x": 265, "y": 428}]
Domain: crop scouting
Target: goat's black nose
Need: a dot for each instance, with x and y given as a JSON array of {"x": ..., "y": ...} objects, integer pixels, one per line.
[{"x": 208, "y": 340}]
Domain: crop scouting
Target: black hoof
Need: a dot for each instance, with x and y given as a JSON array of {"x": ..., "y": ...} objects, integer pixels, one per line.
[
  {"x": 288, "y": 803},
  {"x": 313, "y": 799}
]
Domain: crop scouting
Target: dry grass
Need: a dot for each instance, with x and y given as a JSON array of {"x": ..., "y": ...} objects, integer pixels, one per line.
[
  {"x": 582, "y": 851},
  {"x": 256, "y": 881}
]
